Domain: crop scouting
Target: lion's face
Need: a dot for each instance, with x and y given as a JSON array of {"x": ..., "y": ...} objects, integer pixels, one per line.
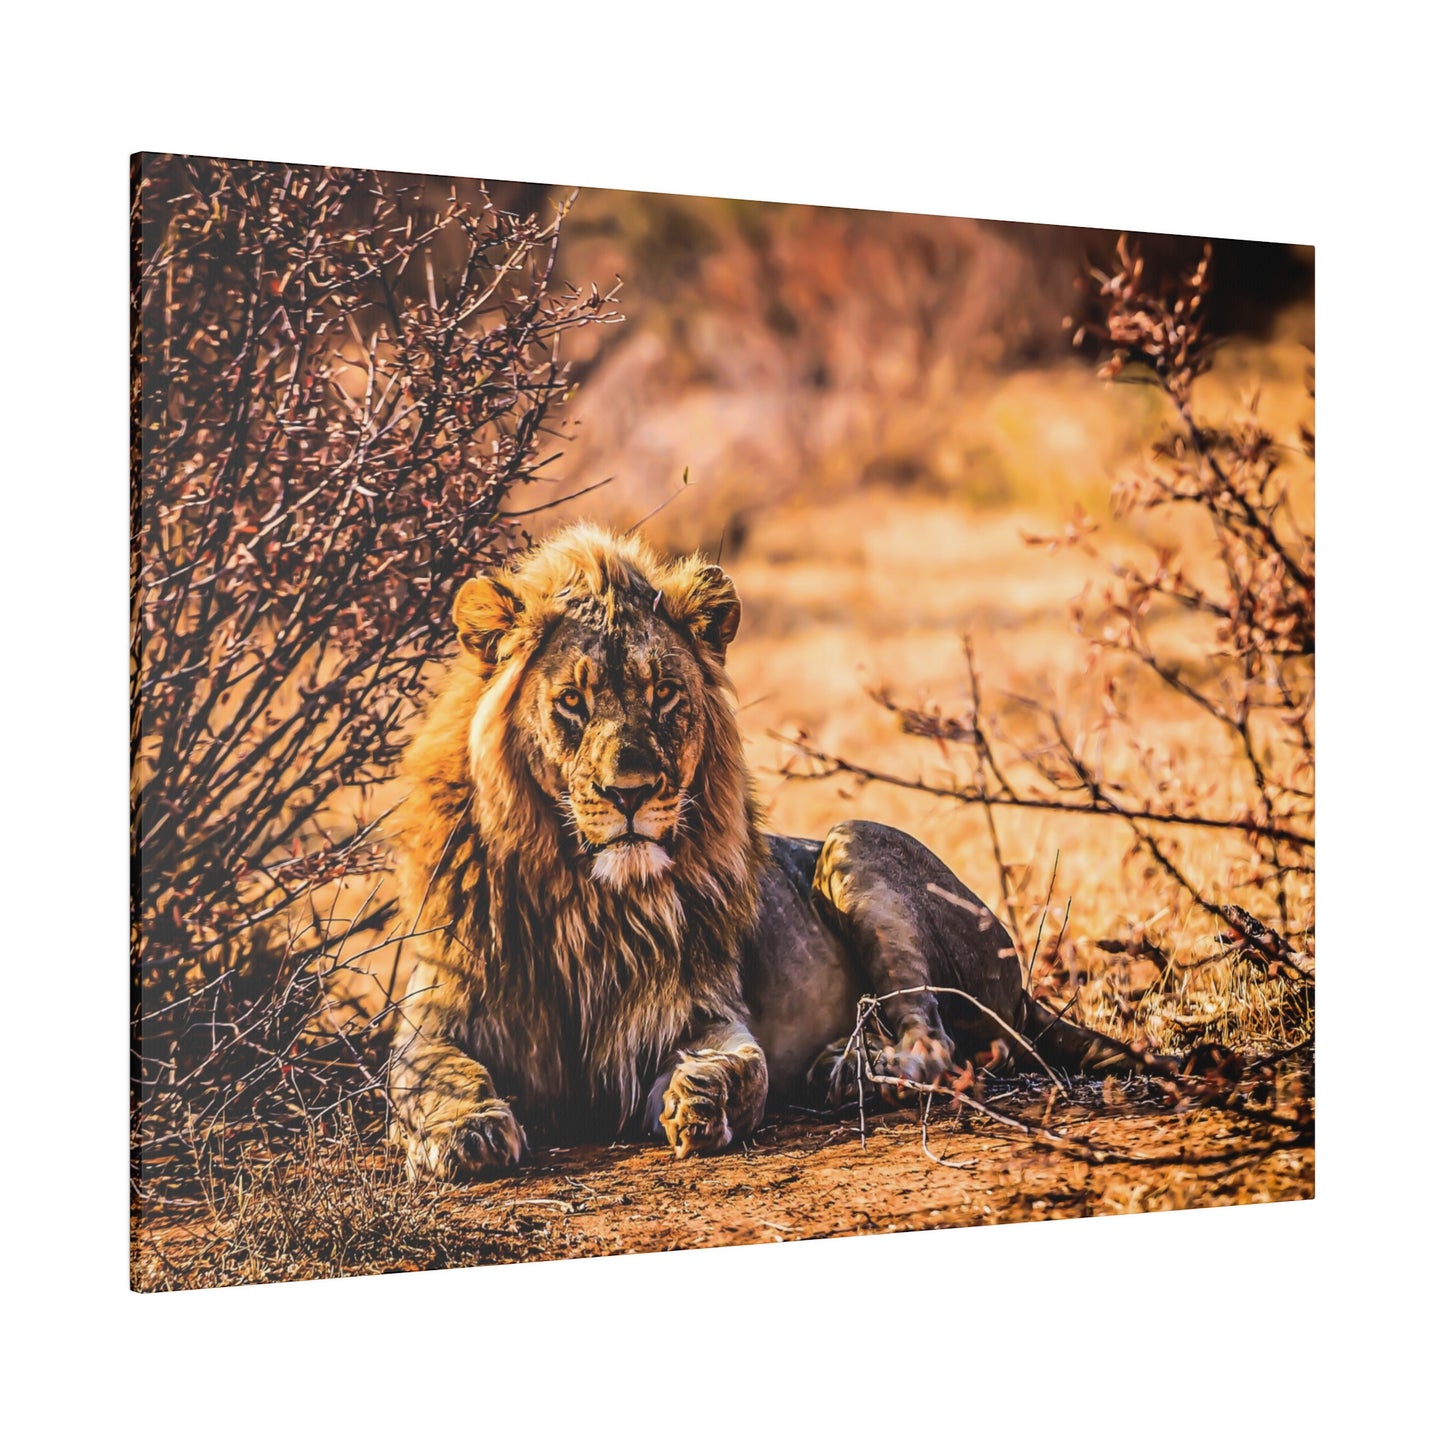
[
  {"x": 602, "y": 668},
  {"x": 612, "y": 727}
]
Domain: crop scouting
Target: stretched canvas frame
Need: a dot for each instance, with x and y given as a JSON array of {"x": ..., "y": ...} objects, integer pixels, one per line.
[{"x": 355, "y": 393}]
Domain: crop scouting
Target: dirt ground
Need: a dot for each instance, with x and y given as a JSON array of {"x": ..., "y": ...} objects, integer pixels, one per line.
[
  {"x": 812, "y": 1179},
  {"x": 806, "y": 1178}
]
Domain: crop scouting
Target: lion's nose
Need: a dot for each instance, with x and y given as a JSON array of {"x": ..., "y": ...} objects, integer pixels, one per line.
[{"x": 628, "y": 800}]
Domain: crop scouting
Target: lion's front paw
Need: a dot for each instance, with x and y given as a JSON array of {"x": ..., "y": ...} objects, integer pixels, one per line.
[
  {"x": 488, "y": 1138},
  {"x": 694, "y": 1108}
]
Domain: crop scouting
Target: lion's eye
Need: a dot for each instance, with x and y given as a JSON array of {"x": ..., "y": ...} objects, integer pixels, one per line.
[
  {"x": 570, "y": 702},
  {"x": 666, "y": 695}
]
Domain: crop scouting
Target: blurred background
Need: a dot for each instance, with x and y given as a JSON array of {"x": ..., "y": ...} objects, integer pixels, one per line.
[{"x": 792, "y": 353}]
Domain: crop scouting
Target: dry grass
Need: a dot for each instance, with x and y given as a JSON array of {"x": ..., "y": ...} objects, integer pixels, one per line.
[
  {"x": 345, "y": 1209},
  {"x": 335, "y": 1205},
  {"x": 1227, "y": 1002}
]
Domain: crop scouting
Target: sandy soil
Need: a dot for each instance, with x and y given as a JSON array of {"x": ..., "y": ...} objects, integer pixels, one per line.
[
  {"x": 810, "y": 1179},
  {"x": 813, "y": 1178}
]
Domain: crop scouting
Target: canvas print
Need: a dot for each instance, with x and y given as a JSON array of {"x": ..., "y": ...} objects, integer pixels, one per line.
[{"x": 663, "y": 721}]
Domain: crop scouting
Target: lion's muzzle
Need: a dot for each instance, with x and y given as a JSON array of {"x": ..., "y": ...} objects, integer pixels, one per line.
[
  {"x": 629, "y": 848},
  {"x": 629, "y": 800}
]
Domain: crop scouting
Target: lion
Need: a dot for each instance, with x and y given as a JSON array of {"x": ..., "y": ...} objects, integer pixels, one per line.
[{"x": 604, "y": 939}]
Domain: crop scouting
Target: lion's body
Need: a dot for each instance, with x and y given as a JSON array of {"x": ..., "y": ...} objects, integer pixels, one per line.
[{"x": 602, "y": 934}]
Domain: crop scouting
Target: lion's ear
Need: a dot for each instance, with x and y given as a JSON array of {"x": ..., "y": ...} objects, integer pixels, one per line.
[
  {"x": 485, "y": 610},
  {"x": 704, "y": 600}
]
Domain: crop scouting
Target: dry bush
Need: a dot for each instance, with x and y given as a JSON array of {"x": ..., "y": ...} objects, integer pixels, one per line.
[
  {"x": 1218, "y": 626},
  {"x": 337, "y": 382}
]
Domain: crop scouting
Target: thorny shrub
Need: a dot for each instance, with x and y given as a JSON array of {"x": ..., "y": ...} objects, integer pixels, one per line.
[{"x": 336, "y": 384}]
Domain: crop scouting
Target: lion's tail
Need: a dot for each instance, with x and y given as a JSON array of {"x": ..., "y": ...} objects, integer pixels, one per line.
[{"x": 1083, "y": 1050}]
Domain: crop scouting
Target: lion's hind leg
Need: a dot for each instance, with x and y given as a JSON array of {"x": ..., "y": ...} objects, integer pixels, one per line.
[{"x": 942, "y": 966}]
